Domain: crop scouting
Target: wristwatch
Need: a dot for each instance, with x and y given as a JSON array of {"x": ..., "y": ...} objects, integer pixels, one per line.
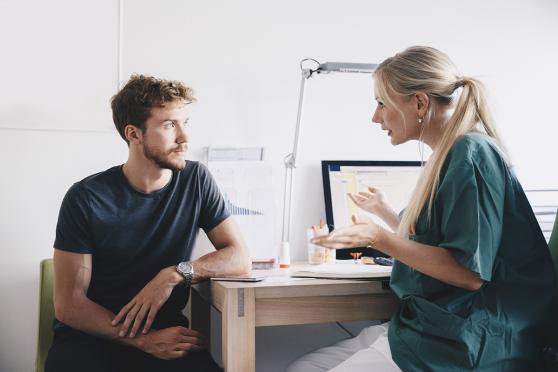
[{"x": 186, "y": 269}]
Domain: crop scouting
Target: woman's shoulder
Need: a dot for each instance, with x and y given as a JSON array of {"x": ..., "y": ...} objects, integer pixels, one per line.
[
  {"x": 471, "y": 143},
  {"x": 478, "y": 150}
]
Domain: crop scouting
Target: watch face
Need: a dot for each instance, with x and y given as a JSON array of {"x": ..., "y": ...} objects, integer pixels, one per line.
[{"x": 185, "y": 268}]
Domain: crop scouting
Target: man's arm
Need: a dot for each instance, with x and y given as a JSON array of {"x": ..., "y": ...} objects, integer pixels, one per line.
[
  {"x": 72, "y": 275},
  {"x": 230, "y": 258}
]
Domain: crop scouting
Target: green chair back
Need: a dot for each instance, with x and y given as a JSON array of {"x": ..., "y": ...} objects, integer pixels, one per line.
[
  {"x": 553, "y": 244},
  {"x": 46, "y": 315}
]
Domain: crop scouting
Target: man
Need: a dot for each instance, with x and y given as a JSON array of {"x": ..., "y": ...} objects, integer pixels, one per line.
[{"x": 123, "y": 241}]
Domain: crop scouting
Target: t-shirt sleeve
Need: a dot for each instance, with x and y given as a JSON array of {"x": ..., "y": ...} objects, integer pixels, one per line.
[
  {"x": 213, "y": 207},
  {"x": 470, "y": 201},
  {"x": 73, "y": 232}
]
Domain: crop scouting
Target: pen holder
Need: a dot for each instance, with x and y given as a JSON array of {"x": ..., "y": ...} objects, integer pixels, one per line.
[{"x": 317, "y": 254}]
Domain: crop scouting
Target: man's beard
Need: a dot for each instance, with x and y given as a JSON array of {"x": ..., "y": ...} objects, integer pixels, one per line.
[{"x": 162, "y": 159}]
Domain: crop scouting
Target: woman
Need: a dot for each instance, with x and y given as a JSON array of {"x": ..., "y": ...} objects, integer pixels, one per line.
[{"x": 472, "y": 268}]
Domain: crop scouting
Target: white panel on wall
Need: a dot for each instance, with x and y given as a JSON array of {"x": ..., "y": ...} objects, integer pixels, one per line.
[
  {"x": 59, "y": 63},
  {"x": 59, "y": 70}
]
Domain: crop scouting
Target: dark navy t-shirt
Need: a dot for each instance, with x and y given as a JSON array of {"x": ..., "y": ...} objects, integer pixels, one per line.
[{"x": 132, "y": 235}]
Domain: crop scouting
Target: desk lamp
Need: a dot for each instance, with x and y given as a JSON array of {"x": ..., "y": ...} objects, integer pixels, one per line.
[{"x": 290, "y": 159}]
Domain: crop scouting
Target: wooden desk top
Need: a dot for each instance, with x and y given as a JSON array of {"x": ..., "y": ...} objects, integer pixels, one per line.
[{"x": 279, "y": 284}]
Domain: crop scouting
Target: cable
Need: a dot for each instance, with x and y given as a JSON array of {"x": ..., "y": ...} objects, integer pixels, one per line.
[{"x": 345, "y": 329}]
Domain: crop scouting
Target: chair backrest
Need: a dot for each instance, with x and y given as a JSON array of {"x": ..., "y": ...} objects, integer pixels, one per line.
[
  {"x": 553, "y": 244},
  {"x": 545, "y": 204},
  {"x": 46, "y": 315}
]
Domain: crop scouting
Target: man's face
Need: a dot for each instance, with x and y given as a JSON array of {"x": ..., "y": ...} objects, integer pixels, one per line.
[{"x": 165, "y": 140}]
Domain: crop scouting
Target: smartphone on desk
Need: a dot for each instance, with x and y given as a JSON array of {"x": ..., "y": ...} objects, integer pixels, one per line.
[
  {"x": 384, "y": 261},
  {"x": 250, "y": 279}
]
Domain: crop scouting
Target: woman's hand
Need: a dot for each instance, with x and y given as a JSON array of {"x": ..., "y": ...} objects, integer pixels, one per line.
[
  {"x": 374, "y": 201},
  {"x": 362, "y": 233}
]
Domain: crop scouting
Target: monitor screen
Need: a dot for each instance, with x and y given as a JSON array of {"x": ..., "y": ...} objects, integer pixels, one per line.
[{"x": 396, "y": 179}]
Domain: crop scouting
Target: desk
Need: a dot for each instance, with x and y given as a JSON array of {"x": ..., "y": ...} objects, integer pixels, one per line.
[{"x": 280, "y": 300}]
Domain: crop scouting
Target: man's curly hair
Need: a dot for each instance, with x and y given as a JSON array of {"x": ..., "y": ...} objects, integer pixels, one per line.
[{"x": 133, "y": 103}]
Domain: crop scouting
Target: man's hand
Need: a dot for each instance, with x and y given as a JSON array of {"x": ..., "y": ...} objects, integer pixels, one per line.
[
  {"x": 147, "y": 302},
  {"x": 171, "y": 343}
]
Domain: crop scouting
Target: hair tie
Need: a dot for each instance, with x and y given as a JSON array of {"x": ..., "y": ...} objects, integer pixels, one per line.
[{"x": 459, "y": 82}]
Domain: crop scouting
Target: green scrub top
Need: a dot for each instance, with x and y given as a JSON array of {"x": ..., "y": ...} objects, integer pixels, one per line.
[{"x": 482, "y": 216}]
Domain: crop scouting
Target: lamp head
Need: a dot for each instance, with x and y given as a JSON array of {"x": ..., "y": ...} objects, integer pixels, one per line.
[{"x": 364, "y": 68}]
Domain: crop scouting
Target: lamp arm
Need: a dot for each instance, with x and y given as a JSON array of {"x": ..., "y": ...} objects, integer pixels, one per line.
[
  {"x": 290, "y": 165},
  {"x": 290, "y": 159},
  {"x": 306, "y": 74}
]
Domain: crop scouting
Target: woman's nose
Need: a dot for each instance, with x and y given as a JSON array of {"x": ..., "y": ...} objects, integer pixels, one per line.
[{"x": 376, "y": 117}]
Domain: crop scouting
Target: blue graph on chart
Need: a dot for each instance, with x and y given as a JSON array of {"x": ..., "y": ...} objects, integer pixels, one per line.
[
  {"x": 236, "y": 210},
  {"x": 247, "y": 188}
]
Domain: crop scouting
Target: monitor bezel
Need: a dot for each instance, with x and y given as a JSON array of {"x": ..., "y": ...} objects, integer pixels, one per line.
[{"x": 356, "y": 163}]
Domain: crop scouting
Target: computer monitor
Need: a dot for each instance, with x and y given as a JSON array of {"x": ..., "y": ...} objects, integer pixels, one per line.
[{"x": 396, "y": 179}]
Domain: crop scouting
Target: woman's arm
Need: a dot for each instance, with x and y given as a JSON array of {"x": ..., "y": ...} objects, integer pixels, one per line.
[{"x": 433, "y": 261}]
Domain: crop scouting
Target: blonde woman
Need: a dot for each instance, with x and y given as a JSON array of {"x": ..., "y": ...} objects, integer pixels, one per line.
[{"x": 472, "y": 268}]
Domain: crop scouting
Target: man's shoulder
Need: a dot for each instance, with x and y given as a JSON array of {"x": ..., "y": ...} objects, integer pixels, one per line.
[
  {"x": 193, "y": 166},
  {"x": 100, "y": 178},
  {"x": 98, "y": 181}
]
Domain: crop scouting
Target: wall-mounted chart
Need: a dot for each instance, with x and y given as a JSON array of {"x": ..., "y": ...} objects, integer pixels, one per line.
[{"x": 247, "y": 189}]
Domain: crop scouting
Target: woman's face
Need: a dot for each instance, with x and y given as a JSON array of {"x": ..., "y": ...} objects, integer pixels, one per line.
[{"x": 399, "y": 118}]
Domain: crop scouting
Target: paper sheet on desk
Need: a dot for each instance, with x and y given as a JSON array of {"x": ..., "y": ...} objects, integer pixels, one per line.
[{"x": 344, "y": 271}]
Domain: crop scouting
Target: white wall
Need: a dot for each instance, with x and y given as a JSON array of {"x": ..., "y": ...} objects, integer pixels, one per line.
[{"x": 60, "y": 67}]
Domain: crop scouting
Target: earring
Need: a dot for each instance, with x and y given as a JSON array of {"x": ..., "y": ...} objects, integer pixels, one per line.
[{"x": 420, "y": 120}]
